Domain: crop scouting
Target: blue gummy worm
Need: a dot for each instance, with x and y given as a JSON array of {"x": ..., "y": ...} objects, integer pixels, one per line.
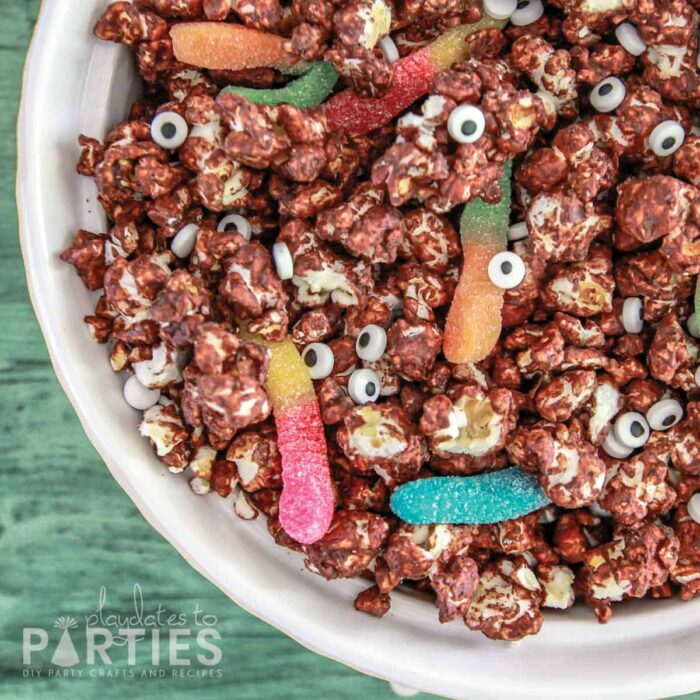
[{"x": 469, "y": 500}]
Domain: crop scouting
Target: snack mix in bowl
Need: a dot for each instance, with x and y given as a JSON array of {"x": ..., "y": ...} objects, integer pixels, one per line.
[{"x": 418, "y": 281}]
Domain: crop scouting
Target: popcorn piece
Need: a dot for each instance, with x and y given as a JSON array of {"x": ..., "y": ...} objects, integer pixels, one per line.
[
  {"x": 223, "y": 386},
  {"x": 364, "y": 226},
  {"x": 163, "y": 368},
  {"x": 581, "y": 289},
  {"x": 87, "y": 255},
  {"x": 255, "y": 292},
  {"x": 257, "y": 460},
  {"x": 636, "y": 488},
  {"x": 507, "y": 602},
  {"x": 353, "y": 541},
  {"x": 686, "y": 573},
  {"x": 550, "y": 70},
  {"x": 381, "y": 437},
  {"x": 670, "y": 352},
  {"x": 562, "y": 227},
  {"x": 126, "y": 24},
  {"x": 164, "y": 427},
  {"x": 472, "y": 422},
  {"x": 605, "y": 404},
  {"x": 558, "y": 585},
  {"x": 571, "y": 473},
  {"x": 429, "y": 239},
  {"x": 627, "y": 567},
  {"x": 413, "y": 348},
  {"x": 562, "y": 396},
  {"x": 577, "y": 532}
]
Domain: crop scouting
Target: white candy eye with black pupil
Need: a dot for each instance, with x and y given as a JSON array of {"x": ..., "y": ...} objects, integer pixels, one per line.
[
  {"x": 666, "y": 138},
  {"x": 608, "y": 94},
  {"x": 631, "y": 429},
  {"x": 633, "y": 315},
  {"x": 235, "y": 222},
  {"x": 466, "y": 123},
  {"x": 664, "y": 414},
  {"x": 527, "y": 12},
  {"x": 364, "y": 386},
  {"x": 371, "y": 343},
  {"x": 169, "y": 130},
  {"x": 319, "y": 360},
  {"x": 506, "y": 270},
  {"x": 500, "y": 9},
  {"x": 614, "y": 448}
]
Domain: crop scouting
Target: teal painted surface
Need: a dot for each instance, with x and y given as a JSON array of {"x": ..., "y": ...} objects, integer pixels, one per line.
[{"x": 66, "y": 529}]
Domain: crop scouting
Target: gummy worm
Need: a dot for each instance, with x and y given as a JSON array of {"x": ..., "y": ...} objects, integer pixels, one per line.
[
  {"x": 225, "y": 46},
  {"x": 413, "y": 78},
  {"x": 307, "y": 502},
  {"x": 473, "y": 323},
  {"x": 469, "y": 500},
  {"x": 308, "y": 91}
]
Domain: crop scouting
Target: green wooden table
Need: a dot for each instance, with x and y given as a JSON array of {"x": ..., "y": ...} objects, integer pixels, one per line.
[{"x": 66, "y": 529}]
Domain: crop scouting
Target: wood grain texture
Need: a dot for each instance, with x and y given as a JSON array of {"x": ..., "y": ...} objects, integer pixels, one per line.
[{"x": 66, "y": 528}]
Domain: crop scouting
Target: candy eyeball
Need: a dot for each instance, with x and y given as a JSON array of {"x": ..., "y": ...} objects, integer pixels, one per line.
[
  {"x": 364, "y": 386},
  {"x": 664, "y": 414},
  {"x": 628, "y": 36},
  {"x": 169, "y": 130},
  {"x": 466, "y": 124},
  {"x": 666, "y": 138},
  {"x": 371, "y": 343},
  {"x": 506, "y": 270},
  {"x": 184, "y": 241},
  {"x": 608, "y": 94},
  {"x": 284, "y": 262},
  {"x": 693, "y": 325},
  {"x": 633, "y": 315},
  {"x": 319, "y": 360},
  {"x": 527, "y": 12},
  {"x": 694, "y": 508},
  {"x": 138, "y": 396},
  {"x": 614, "y": 448},
  {"x": 500, "y": 9},
  {"x": 697, "y": 376},
  {"x": 388, "y": 47},
  {"x": 518, "y": 232},
  {"x": 235, "y": 222},
  {"x": 631, "y": 429}
]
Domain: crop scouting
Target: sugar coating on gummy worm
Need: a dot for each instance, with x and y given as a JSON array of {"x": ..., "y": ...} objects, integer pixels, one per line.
[
  {"x": 413, "y": 77},
  {"x": 306, "y": 92},
  {"x": 307, "y": 503},
  {"x": 473, "y": 323},
  {"x": 228, "y": 46},
  {"x": 469, "y": 500}
]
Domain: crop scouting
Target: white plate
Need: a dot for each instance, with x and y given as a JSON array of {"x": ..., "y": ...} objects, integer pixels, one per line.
[{"x": 73, "y": 84}]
